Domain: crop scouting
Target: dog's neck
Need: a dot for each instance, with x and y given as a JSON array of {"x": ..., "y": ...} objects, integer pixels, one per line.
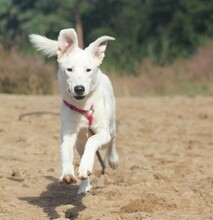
[{"x": 83, "y": 104}]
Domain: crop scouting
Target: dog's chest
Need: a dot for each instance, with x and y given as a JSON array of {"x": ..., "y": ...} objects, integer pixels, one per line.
[{"x": 87, "y": 124}]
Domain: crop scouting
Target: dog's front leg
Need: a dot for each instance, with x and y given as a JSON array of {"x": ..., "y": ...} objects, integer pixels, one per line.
[
  {"x": 92, "y": 145},
  {"x": 68, "y": 143}
]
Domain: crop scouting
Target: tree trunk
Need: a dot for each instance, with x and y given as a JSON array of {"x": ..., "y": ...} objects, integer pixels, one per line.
[{"x": 78, "y": 24}]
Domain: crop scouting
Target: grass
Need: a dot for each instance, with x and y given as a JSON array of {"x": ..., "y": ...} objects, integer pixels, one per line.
[
  {"x": 24, "y": 74},
  {"x": 193, "y": 76}
]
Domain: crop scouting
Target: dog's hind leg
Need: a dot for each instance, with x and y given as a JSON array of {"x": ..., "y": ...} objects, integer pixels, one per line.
[
  {"x": 81, "y": 141},
  {"x": 80, "y": 148},
  {"x": 85, "y": 186},
  {"x": 112, "y": 155}
]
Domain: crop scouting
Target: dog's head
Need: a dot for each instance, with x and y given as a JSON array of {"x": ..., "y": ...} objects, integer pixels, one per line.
[{"x": 78, "y": 68}]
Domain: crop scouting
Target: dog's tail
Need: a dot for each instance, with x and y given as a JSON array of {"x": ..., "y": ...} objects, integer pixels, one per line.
[{"x": 46, "y": 46}]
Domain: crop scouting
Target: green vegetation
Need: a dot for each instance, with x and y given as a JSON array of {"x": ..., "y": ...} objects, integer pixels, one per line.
[
  {"x": 161, "y": 30},
  {"x": 167, "y": 33}
]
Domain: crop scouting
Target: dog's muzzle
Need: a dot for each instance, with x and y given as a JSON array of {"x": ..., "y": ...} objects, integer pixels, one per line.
[{"x": 79, "y": 92}]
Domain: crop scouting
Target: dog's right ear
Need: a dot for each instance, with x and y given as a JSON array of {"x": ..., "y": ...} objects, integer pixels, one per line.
[{"x": 68, "y": 42}]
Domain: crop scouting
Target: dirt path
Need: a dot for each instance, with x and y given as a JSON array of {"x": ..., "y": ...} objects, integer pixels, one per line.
[{"x": 166, "y": 169}]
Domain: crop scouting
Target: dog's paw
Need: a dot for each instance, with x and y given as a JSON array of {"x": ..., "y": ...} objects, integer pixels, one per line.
[
  {"x": 113, "y": 161},
  {"x": 85, "y": 168},
  {"x": 85, "y": 186},
  {"x": 67, "y": 179},
  {"x": 84, "y": 173}
]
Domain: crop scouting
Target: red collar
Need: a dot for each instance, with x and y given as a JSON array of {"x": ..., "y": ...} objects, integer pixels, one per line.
[{"x": 87, "y": 113}]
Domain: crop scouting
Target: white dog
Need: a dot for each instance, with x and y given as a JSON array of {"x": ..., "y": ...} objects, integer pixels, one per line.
[{"x": 88, "y": 106}]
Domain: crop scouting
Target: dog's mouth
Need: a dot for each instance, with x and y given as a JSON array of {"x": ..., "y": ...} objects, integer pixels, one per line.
[{"x": 79, "y": 97}]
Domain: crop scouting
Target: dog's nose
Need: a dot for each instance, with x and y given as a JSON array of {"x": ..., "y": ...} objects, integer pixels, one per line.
[{"x": 79, "y": 90}]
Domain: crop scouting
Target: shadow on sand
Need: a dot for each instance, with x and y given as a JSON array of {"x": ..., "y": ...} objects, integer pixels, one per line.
[{"x": 56, "y": 195}]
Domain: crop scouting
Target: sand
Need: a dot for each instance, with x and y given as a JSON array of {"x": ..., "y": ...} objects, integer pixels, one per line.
[{"x": 166, "y": 162}]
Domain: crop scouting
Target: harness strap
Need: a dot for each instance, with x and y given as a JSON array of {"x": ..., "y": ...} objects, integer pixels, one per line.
[{"x": 87, "y": 113}]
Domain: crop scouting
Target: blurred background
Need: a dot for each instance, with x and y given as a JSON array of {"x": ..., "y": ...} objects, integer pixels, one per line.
[{"x": 162, "y": 47}]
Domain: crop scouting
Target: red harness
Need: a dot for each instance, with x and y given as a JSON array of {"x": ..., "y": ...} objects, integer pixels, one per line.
[{"x": 87, "y": 113}]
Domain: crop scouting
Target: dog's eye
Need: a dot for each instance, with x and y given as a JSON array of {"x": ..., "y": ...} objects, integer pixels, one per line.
[
  {"x": 69, "y": 69},
  {"x": 88, "y": 70}
]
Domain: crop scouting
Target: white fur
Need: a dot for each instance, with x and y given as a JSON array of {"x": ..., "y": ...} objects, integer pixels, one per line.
[
  {"x": 45, "y": 45},
  {"x": 81, "y": 67}
]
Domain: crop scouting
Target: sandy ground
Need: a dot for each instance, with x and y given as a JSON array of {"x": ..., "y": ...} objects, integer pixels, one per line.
[{"x": 166, "y": 169}]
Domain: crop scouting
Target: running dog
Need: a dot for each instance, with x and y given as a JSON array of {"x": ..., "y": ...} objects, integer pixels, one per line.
[{"x": 88, "y": 103}]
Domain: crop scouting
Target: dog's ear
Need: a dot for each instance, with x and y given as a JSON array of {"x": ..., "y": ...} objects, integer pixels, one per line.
[
  {"x": 68, "y": 42},
  {"x": 46, "y": 46},
  {"x": 98, "y": 47}
]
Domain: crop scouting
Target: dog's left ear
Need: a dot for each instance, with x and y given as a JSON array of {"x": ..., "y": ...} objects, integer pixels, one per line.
[{"x": 98, "y": 47}]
